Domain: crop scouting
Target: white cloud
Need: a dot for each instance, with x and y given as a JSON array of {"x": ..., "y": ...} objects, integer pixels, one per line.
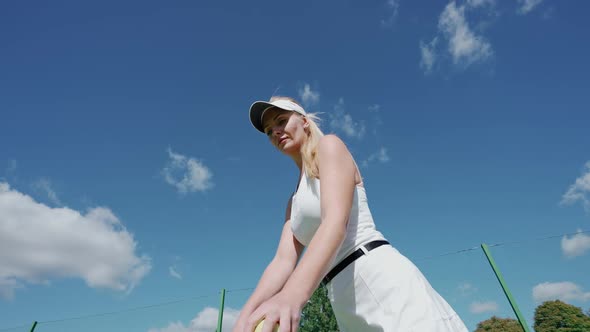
[
  {"x": 380, "y": 156},
  {"x": 466, "y": 288},
  {"x": 174, "y": 273},
  {"x": 428, "y": 55},
  {"x": 579, "y": 191},
  {"x": 205, "y": 321},
  {"x": 464, "y": 45},
  {"x": 343, "y": 122},
  {"x": 309, "y": 97},
  {"x": 482, "y": 307},
  {"x": 577, "y": 245},
  {"x": 172, "y": 327},
  {"x": 527, "y": 5},
  {"x": 548, "y": 13},
  {"x": 186, "y": 174},
  {"x": 565, "y": 291},
  {"x": 39, "y": 243},
  {"x": 45, "y": 186},
  {"x": 7, "y": 287},
  {"x": 393, "y": 9},
  {"x": 375, "y": 108},
  {"x": 480, "y": 3},
  {"x": 11, "y": 166}
]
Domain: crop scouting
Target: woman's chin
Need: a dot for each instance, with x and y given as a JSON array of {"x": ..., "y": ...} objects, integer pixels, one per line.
[{"x": 288, "y": 149}]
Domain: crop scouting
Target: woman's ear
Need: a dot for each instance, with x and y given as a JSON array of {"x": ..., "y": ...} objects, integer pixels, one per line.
[{"x": 305, "y": 123}]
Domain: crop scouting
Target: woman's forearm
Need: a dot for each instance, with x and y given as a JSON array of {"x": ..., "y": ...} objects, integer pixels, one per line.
[
  {"x": 314, "y": 264},
  {"x": 271, "y": 282}
]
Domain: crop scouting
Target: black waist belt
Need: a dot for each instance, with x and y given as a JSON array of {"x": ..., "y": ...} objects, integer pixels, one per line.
[{"x": 351, "y": 258}]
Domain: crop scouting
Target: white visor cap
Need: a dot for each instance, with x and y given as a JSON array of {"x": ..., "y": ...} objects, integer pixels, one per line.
[{"x": 259, "y": 107}]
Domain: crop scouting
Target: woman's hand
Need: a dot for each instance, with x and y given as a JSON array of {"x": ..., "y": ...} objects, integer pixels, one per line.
[
  {"x": 238, "y": 327},
  {"x": 283, "y": 308}
]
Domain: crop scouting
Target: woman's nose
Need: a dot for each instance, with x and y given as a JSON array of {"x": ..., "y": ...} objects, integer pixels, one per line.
[{"x": 276, "y": 131}]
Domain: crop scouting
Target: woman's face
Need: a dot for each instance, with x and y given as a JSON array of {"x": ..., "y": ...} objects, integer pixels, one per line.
[{"x": 285, "y": 130}]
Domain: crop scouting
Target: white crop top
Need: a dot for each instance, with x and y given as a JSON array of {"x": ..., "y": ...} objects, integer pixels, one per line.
[{"x": 306, "y": 218}]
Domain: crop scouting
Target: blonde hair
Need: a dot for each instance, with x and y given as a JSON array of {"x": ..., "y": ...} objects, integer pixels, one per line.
[{"x": 309, "y": 149}]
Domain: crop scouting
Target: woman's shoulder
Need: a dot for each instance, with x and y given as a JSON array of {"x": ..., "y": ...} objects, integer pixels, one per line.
[
  {"x": 332, "y": 143},
  {"x": 331, "y": 147},
  {"x": 337, "y": 158}
]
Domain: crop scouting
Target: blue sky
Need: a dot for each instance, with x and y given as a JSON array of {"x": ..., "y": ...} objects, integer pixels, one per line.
[{"x": 130, "y": 176}]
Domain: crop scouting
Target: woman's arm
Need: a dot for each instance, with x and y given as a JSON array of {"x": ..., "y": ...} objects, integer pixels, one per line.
[
  {"x": 276, "y": 273},
  {"x": 337, "y": 183}
]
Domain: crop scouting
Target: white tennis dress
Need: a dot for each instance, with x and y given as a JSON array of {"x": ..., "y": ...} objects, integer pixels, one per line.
[{"x": 380, "y": 291}]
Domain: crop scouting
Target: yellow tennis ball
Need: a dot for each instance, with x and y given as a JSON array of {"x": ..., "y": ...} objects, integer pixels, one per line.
[{"x": 259, "y": 327}]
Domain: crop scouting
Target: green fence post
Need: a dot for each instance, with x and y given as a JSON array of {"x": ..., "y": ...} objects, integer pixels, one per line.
[
  {"x": 220, "y": 316},
  {"x": 520, "y": 317},
  {"x": 34, "y": 325}
]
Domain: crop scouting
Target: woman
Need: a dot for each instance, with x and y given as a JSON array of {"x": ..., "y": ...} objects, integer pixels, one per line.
[{"x": 371, "y": 286}]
